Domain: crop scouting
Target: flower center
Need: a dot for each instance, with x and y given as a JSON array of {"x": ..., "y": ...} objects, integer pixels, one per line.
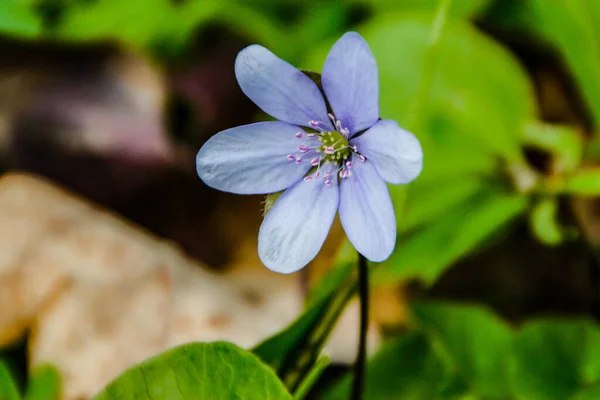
[
  {"x": 329, "y": 152},
  {"x": 335, "y": 147}
]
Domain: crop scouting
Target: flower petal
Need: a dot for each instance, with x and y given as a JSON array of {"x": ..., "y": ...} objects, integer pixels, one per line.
[
  {"x": 279, "y": 88},
  {"x": 395, "y": 152},
  {"x": 351, "y": 83},
  {"x": 367, "y": 213},
  {"x": 251, "y": 159},
  {"x": 293, "y": 232}
]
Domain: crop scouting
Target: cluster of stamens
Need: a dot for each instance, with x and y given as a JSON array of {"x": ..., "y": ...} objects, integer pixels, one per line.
[{"x": 324, "y": 149}]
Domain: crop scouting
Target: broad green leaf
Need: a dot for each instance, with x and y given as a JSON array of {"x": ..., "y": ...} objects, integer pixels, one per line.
[
  {"x": 450, "y": 154},
  {"x": 198, "y": 371},
  {"x": 573, "y": 27},
  {"x": 407, "y": 368},
  {"x": 17, "y": 17},
  {"x": 488, "y": 107},
  {"x": 555, "y": 359},
  {"x": 44, "y": 384},
  {"x": 8, "y": 387},
  {"x": 426, "y": 253},
  {"x": 475, "y": 339}
]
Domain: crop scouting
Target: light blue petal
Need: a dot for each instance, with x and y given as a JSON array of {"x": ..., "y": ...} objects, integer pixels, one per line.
[
  {"x": 351, "y": 83},
  {"x": 252, "y": 159},
  {"x": 278, "y": 88},
  {"x": 293, "y": 232},
  {"x": 367, "y": 213},
  {"x": 395, "y": 152}
]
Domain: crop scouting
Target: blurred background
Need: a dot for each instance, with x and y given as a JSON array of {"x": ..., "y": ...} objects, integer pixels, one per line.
[{"x": 493, "y": 291}]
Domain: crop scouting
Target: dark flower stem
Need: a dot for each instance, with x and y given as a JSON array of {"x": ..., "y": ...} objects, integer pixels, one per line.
[{"x": 361, "y": 358}]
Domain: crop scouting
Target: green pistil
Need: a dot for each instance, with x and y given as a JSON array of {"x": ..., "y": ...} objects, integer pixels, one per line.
[{"x": 335, "y": 140}]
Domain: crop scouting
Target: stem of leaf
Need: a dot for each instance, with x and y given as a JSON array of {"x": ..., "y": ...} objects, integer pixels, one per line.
[
  {"x": 311, "y": 378},
  {"x": 361, "y": 358}
]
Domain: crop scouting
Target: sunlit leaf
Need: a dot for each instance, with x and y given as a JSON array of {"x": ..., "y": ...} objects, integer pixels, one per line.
[{"x": 199, "y": 371}]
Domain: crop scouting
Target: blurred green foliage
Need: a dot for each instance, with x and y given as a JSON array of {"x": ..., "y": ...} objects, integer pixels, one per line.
[
  {"x": 466, "y": 352},
  {"x": 479, "y": 115},
  {"x": 44, "y": 384}
]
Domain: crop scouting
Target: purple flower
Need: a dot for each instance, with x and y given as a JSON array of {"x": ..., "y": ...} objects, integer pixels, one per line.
[{"x": 340, "y": 163}]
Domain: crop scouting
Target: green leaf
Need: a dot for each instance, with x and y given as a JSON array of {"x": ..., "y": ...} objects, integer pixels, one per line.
[
  {"x": 573, "y": 27},
  {"x": 140, "y": 23},
  {"x": 198, "y": 371},
  {"x": 555, "y": 359},
  {"x": 489, "y": 107},
  {"x": 544, "y": 223},
  {"x": 591, "y": 393},
  {"x": 448, "y": 194},
  {"x": 459, "y": 9},
  {"x": 8, "y": 387},
  {"x": 475, "y": 339},
  {"x": 451, "y": 154},
  {"x": 311, "y": 378},
  {"x": 44, "y": 384},
  {"x": 583, "y": 182},
  {"x": 293, "y": 351},
  {"x": 409, "y": 367},
  {"x": 426, "y": 253},
  {"x": 17, "y": 17}
]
